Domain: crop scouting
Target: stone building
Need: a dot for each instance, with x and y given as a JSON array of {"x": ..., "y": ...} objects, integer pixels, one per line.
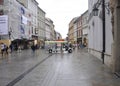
[
  {"x": 100, "y": 44},
  {"x": 17, "y": 19},
  {"x": 49, "y": 28},
  {"x": 72, "y": 31},
  {"x": 33, "y": 9},
  {"x": 79, "y": 30},
  {"x": 58, "y": 36},
  {"x": 85, "y": 28},
  {"x": 41, "y": 25},
  {"x": 25, "y": 19},
  {"x": 115, "y": 9}
]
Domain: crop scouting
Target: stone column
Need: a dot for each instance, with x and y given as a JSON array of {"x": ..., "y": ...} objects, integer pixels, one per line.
[{"x": 116, "y": 35}]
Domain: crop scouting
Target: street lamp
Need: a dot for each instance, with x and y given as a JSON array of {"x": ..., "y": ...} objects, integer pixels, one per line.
[{"x": 95, "y": 11}]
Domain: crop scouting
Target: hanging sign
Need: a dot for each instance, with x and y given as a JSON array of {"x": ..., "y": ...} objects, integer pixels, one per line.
[{"x": 24, "y": 19}]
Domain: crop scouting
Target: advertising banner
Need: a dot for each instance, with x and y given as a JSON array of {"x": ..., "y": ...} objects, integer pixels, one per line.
[
  {"x": 3, "y": 25},
  {"x": 24, "y": 19}
]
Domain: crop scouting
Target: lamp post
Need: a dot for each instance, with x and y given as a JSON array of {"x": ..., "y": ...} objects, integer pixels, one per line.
[
  {"x": 95, "y": 11},
  {"x": 103, "y": 21}
]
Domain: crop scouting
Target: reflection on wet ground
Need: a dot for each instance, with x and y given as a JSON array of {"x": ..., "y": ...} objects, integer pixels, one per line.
[{"x": 64, "y": 69}]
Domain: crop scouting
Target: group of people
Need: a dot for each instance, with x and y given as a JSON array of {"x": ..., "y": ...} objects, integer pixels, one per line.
[{"x": 11, "y": 47}]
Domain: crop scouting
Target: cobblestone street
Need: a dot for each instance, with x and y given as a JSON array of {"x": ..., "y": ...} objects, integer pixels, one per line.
[{"x": 42, "y": 69}]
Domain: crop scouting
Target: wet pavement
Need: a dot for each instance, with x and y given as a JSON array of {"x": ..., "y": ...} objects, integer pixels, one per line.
[{"x": 66, "y": 69}]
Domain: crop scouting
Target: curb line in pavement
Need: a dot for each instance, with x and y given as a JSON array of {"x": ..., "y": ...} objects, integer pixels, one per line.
[{"x": 12, "y": 83}]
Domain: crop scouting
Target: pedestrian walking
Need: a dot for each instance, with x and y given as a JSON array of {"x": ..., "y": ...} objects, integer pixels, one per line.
[
  {"x": 11, "y": 47},
  {"x": 2, "y": 48},
  {"x": 33, "y": 48},
  {"x": 6, "y": 49}
]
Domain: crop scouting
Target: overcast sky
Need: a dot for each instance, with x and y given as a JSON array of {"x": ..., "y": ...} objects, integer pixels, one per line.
[{"x": 61, "y": 12}]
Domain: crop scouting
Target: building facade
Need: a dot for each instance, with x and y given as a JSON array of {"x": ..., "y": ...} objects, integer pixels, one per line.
[
  {"x": 24, "y": 20},
  {"x": 33, "y": 9},
  {"x": 72, "y": 31},
  {"x": 115, "y": 9},
  {"x": 49, "y": 28},
  {"x": 17, "y": 19},
  {"x": 79, "y": 30},
  {"x": 58, "y": 36},
  {"x": 41, "y": 25},
  {"x": 95, "y": 34},
  {"x": 85, "y": 28}
]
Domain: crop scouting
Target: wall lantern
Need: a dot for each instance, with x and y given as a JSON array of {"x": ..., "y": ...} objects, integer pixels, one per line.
[{"x": 95, "y": 11}]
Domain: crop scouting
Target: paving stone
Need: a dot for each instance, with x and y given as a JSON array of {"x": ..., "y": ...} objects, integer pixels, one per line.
[{"x": 75, "y": 69}]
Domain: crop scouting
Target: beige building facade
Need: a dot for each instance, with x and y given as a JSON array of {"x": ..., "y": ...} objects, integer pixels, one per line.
[
  {"x": 79, "y": 30},
  {"x": 85, "y": 28},
  {"x": 72, "y": 31}
]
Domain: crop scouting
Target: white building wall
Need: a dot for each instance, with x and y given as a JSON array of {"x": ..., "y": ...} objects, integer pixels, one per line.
[
  {"x": 41, "y": 24},
  {"x": 48, "y": 32},
  {"x": 109, "y": 37},
  {"x": 32, "y": 6},
  {"x": 11, "y": 8},
  {"x": 48, "y": 29},
  {"x": 95, "y": 35}
]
